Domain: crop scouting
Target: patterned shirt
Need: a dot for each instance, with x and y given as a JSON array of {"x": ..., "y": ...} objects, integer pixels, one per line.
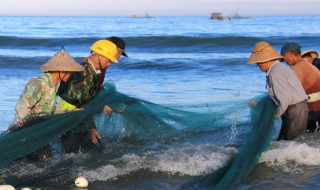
[
  {"x": 81, "y": 87},
  {"x": 37, "y": 98}
]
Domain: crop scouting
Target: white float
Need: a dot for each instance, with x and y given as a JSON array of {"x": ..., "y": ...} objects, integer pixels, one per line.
[
  {"x": 7, "y": 187},
  {"x": 81, "y": 182}
]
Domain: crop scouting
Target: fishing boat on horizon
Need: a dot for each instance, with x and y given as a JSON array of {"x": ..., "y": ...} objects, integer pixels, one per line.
[
  {"x": 147, "y": 16},
  {"x": 218, "y": 16}
]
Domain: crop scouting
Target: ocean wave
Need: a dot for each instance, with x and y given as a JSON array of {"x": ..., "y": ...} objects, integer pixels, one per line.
[
  {"x": 38, "y": 53},
  {"x": 155, "y": 43},
  {"x": 32, "y": 59},
  {"x": 188, "y": 160},
  {"x": 213, "y": 43},
  {"x": 290, "y": 156},
  {"x": 12, "y": 41}
]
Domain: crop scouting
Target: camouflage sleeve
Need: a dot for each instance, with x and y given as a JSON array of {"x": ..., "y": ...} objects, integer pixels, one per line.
[
  {"x": 30, "y": 95},
  {"x": 80, "y": 88},
  {"x": 71, "y": 91}
]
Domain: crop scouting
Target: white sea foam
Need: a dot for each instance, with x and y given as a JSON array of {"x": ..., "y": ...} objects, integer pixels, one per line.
[
  {"x": 187, "y": 160},
  {"x": 191, "y": 160},
  {"x": 130, "y": 163},
  {"x": 289, "y": 156}
]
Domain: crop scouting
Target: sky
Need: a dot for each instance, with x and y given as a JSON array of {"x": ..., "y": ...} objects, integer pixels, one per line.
[{"x": 157, "y": 7}]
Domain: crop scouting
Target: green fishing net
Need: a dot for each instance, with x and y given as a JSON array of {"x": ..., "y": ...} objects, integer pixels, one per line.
[
  {"x": 139, "y": 120},
  {"x": 258, "y": 140}
]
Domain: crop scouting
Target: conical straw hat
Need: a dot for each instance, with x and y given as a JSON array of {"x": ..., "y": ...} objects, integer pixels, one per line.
[
  {"x": 263, "y": 52},
  {"x": 314, "y": 54},
  {"x": 62, "y": 61}
]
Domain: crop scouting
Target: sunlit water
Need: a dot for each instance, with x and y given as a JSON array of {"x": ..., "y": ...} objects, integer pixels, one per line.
[{"x": 172, "y": 61}]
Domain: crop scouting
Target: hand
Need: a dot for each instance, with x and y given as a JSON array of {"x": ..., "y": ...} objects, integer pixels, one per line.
[
  {"x": 106, "y": 110},
  {"x": 94, "y": 136},
  {"x": 252, "y": 104}
]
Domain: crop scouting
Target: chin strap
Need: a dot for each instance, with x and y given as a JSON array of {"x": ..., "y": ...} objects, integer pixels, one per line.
[
  {"x": 100, "y": 63},
  {"x": 63, "y": 76}
]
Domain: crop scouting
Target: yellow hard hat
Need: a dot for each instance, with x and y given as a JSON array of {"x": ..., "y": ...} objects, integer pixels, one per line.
[{"x": 106, "y": 49}]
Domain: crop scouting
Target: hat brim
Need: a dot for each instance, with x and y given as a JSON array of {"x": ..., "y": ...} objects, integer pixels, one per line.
[
  {"x": 124, "y": 53},
  {"x": 314, "y": 54},
  {"x": 256, "y": 59},
  {"x": 113, "y": 59}
]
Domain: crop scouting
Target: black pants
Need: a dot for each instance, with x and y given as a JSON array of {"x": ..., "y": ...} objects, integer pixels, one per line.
[
  {"x": 43, "y": 154},
  {"x": 313, "y": 122},
  {"x": 294, "y": 121},
  {"x": 79, "y": 139}
]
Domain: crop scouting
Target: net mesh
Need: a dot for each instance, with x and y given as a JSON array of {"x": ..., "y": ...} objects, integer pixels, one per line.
[
  {"x": 23, "y": 173},
  {"x": 141, "y": 120},
  {"x": 240, "y": 166}
]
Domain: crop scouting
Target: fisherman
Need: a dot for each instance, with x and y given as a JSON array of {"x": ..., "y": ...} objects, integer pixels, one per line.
[
  {"x": 309, "y": 77},
  {"x": 285, "y": 90},
  {"x": 121, "y": 45},
  {"x": 38, "y": 98},
  {"x": 312, "y": 57},
  {"x": 83, "y": 87}
]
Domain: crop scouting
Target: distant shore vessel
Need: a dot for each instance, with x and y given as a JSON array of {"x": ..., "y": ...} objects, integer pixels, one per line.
[
  {"x": 218, "y": 16},
  {"x": 147, "y": 16}
]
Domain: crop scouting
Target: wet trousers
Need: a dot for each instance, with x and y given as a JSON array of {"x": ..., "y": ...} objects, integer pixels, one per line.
[
  {"x": 313, "y": 122},
  {"x": 294, "y": 121}
]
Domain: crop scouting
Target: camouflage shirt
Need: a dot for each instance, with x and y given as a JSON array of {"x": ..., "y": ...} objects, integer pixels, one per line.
[
  {"x": 37, "y": 98},
  {"x": 81, "y": 87}
]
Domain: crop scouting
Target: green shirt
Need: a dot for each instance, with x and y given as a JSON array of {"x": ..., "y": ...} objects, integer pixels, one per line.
[{"x": 37, "y": 98}]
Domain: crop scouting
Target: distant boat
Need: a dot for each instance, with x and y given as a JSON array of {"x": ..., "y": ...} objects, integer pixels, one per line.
[
  {"x": 218, "y": 16},
  {"x": 147, "y": 16},
  {"x": 237, "y": 16}
]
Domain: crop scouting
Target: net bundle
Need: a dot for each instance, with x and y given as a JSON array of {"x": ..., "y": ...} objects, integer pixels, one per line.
[
  {"x": 240, "y": 166},
  {"x": 141, "y": 120}
]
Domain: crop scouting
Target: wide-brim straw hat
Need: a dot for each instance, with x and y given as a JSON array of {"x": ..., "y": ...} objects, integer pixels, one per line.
[
  {"x": 263, "y": 52},
  {"x": 62, "y": 61},
  {"x": 314, "y": 54}
]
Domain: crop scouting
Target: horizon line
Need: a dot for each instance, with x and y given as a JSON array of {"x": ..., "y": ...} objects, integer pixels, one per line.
[{"x": 4, "y": 15}]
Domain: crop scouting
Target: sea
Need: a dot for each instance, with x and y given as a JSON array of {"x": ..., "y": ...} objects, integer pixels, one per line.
[{"x": 171, "y": 61}]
